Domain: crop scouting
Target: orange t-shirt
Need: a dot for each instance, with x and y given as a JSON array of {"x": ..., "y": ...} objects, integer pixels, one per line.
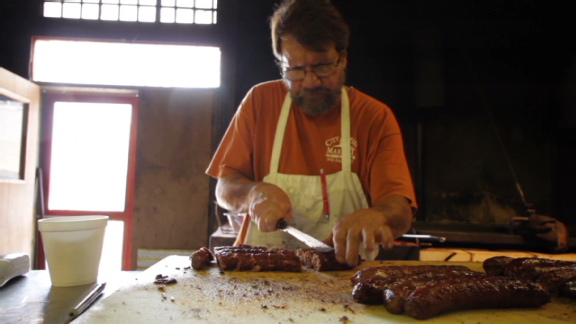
[{"x": 311, "y": 143}]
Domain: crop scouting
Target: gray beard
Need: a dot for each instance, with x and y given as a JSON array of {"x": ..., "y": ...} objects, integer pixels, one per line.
[{"x": 326, "y": 100}]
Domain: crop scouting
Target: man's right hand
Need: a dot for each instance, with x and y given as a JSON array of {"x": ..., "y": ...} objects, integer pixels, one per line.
[
  {"x": 268, "y": 204},
  {"x": 264, "y": 202}
]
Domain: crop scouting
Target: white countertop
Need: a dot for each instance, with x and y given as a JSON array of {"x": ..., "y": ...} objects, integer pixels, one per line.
[{"x": 213, "y": 296}]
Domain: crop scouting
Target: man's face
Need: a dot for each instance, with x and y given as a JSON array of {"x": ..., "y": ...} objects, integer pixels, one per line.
[{"x": 313, "y": 94}]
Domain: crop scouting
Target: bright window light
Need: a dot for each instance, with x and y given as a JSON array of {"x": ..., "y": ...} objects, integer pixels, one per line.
[
  {"x": 145, "y": 11},
  {"x": 185, "y": 3},
  {"x": 147, "y": 14},
  {"x": 185, "y": 16},
  {"x": 110, "y": 12},
  {"x": 203, "y": 17},
  {"x": 52, "y": 9},
  {"x": 128, "y": 13},
  {"x": 71, "y": 10},
  {"x": 125, "y": 64},
  {"x": 95, "y": 137},
  {"x": 167, "y": 15},
  {"x": 112, "y": 251},
  {"x": 204, "y": 4},
  {"x": 90, "y": 11}
]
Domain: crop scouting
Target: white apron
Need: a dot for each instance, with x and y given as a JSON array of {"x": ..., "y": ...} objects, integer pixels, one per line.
[{"x": 345, "y": 190}]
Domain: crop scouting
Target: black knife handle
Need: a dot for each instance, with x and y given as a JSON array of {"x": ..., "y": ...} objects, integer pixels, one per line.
[{"x": 282, "y": 224}]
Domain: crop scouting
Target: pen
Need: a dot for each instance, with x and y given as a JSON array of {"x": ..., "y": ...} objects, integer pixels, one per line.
[
  {"x": 87, "y": 301},
  {"x": 325, "y": 195}
]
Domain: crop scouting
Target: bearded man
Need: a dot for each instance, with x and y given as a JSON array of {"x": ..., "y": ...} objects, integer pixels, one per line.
[{"x": 292, "y": 138}]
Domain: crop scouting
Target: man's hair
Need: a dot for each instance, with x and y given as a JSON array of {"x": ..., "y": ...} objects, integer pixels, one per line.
[{"x": 315, "y": 24}]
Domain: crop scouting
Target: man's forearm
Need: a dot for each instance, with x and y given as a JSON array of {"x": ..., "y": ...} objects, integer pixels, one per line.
[
  {"x": 232, "y": 191},
  {"x": 398, "y": 212},
  {"x": 265, "y": 203}
]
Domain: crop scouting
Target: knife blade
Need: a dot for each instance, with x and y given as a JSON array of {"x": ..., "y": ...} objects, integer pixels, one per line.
[{"x": 303, "y": 237}]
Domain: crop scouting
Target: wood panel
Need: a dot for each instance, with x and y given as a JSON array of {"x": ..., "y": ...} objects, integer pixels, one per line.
[
  {"x": 174, "y": 149},
  {"x": 17, "y": 219}
]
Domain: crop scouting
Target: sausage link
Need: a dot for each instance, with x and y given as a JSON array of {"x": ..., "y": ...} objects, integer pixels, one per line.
[
  {"x": 395, "y": 295},
  {"x": 474, "y": 293},
  {"x": 495, "y": 266},
  {"x": 403, "y": 270}
]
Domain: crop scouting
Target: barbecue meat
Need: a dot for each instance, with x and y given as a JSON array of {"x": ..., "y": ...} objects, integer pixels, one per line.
[
  {"x": 371, "y": 290},
  {"x": 532, "y": 268},
  {"x": 372, "y": 282},
  {"x": 395, "y": 295},
  {"x": 402, "y": 270},
  {"x": 474, "y": 293},
  {"x": 321, "y": 261},
  {"x": 554, "y": 279},
  {"x": 257, "y": 258},
  {"x": 201, "y": 258},
  {"x": 569, "y": 289},
  {"x": 496, "y": 266},
  {"x": 552, "y": 275}
]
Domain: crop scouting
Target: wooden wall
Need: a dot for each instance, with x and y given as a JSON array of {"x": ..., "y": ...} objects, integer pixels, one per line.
[{"x": 17, "y": 216}]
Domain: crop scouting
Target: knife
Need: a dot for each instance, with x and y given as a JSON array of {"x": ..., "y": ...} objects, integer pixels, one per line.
[{"x": 303, "y": 237}]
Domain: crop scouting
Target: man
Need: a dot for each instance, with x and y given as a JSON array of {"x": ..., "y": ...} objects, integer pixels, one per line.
[{"x": 288, "y": 134}]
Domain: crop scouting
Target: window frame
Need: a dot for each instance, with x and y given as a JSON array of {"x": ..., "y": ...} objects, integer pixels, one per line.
[{"x": 51, "y": 95}]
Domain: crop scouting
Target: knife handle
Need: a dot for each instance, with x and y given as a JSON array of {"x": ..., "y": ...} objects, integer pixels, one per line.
[{"x": 282, "y": 224}]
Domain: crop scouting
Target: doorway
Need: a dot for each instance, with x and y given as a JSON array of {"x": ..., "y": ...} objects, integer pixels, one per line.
[{"x": 88, "y": 155}]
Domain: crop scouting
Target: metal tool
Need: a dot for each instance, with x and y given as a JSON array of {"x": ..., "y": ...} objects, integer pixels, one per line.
[
  {"x": 323, "y": 247},
  {"x": 87, "y": 301},
  {"x": 425, "y": 237},
  {"x": 303, "y": 237}
]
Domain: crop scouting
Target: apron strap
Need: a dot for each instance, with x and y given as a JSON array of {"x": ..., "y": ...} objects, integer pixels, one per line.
[
  {"x": 279, "y": 137},
  {"x": 345, "y": 141}
]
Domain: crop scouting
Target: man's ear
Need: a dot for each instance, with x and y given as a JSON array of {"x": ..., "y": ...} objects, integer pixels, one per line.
[{"x": 344, "y": 59}]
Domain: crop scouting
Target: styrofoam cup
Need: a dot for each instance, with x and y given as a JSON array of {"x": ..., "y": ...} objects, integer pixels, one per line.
[{"x": 73, "y": 247}]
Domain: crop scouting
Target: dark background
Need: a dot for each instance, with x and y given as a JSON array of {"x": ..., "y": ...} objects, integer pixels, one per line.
[{"x": 484, "y": 90}]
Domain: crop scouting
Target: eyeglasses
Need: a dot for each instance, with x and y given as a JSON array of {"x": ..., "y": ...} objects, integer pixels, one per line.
[{"x": 321, "y": 70}]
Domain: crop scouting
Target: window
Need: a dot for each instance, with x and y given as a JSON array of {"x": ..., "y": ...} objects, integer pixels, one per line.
[
  {"x": 145, "y": 11},
  {"x": 125, "y": 64},
  {"x": 13, "y": 129}
]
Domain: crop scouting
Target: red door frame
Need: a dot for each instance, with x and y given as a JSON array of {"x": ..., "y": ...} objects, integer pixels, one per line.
[{"x": 48, "y": 100}]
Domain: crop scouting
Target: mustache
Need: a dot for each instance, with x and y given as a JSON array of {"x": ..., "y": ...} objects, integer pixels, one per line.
[{"x": 315, "y": 91}]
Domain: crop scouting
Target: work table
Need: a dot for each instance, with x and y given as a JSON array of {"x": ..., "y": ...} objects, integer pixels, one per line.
[
  {"x": 214, "y": 296},
  {"x": 31, "y": 299}
]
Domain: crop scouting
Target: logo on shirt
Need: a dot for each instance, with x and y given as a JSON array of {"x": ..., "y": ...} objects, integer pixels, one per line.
[{"x": 334, "y": 149}]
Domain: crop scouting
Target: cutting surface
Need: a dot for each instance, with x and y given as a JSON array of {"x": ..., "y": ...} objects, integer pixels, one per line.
[{"x": 213, "y": 296}]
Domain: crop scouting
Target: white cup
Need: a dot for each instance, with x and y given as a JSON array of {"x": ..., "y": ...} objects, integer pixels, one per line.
[{"x": 73, "y": 247}]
